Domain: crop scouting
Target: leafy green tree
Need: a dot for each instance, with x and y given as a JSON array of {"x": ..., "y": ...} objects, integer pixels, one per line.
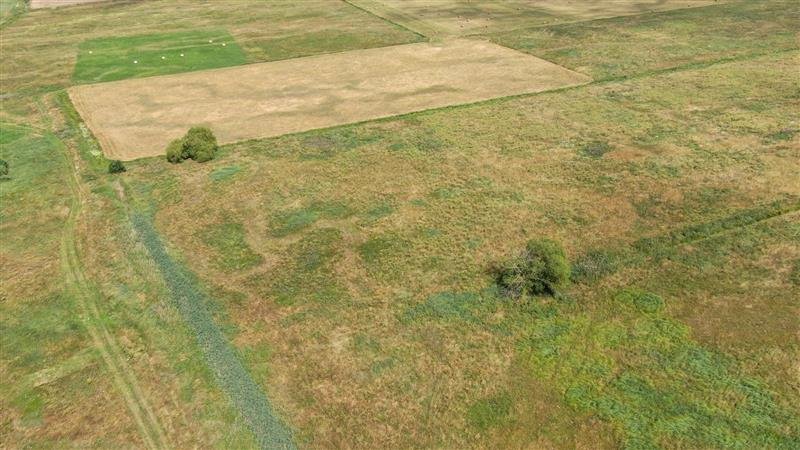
[
  {"x": 198, "y": 144},
  {"x": 541, "y": 269},
  {"x": 3, "y": 168}
]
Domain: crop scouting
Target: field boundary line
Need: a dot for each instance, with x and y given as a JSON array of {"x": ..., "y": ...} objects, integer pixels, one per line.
[
  {"x": 647, "y": 74},
  {"x": 86, "y": 295},
  {"x": 390, "y": 15}
]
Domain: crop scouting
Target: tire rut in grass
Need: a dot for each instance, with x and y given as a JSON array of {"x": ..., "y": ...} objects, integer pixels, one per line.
[{"x": 87, "y": 297}]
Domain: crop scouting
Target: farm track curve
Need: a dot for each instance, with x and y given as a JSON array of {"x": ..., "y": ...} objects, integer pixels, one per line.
[{"x": 87, "y": 297}]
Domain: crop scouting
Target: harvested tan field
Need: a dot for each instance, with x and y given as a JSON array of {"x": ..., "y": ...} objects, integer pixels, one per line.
[
  {"x": 138, "y": 118},
  {"x": 56, "y": 3}
]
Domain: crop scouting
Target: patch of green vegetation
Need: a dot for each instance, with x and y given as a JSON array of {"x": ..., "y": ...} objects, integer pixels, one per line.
[
  {"x": 784, "y": 134},
  {"x": 225, "y": 362},
  {"x": 594, "y": 265},
  {"x": 378, "y": 247},
  {"x": 118, "y": 58},
  {"x": 595, "y": 149},
  {"x": 327, "y": 143},
  {"x": 288, "y": 222},
  {"x": 224, "y": 173},
  {"x": 794, "y": 275},
  {"x": 307, "y": 273},
  {"x": 10, "y": 10},
  {"x": 635, "y": 367},
  {"x": 229, "y": 241},
  {"x": 631, "y": 45},
  {"x": 34, "y": 188},
  {"x": 490, "y": 412},
  {"x": 378, "y": 211},
  {"x": 445, "y": 306}
]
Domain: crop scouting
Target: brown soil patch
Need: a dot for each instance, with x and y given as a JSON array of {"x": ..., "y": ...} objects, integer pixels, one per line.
[
  {"x": 138, "y": 118},
  {"x": 56, "y": 3}
]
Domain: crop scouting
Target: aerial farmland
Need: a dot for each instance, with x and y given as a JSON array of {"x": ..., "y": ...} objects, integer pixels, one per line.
[{"x": 400, "y": 224}]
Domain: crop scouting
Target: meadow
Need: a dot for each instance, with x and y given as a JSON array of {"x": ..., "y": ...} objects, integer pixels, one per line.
[{"x": 336, "y": 286}]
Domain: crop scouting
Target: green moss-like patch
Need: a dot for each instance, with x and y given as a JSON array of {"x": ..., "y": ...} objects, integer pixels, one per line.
[
  {"x": 640, "y": 370},
  {"x": 229, "y": 242}
]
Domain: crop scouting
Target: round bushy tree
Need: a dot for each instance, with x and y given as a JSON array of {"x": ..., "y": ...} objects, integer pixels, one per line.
[
  {"x": 198, "y": 144},
  {"x": 3, "y": 168},
  {"x": 541, "y": 269},
  {"x": 116, "y": 166}
]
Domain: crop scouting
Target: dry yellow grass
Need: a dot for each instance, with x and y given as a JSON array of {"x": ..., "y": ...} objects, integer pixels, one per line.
[
  {"x": 462, "y": 17},
  {"x": 57, "y": 3},
  {"x": 138, "y": 118}
]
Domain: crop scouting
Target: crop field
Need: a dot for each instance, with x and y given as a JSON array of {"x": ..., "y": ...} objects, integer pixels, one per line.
[
  {"x": 138, "y": 118},
  {"x": 330, "y": 278}
]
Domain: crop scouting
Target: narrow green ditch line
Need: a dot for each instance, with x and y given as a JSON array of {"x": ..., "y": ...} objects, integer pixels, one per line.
[{"x": 222, "y": 358}]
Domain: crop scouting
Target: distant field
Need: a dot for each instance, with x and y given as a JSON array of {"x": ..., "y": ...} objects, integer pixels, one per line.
[
  {"x": 460, "y": 17},
  {"x": 139, "y": 118},
  {"x": 42, "y": 49},
  {"x": 56, "y": 3},
  {"x": 110, "y": 59},
  {"x": 625, "y": 46}
]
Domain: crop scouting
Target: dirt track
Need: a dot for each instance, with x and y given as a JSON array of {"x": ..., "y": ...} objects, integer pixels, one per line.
[{"x": 138, "y": 118}]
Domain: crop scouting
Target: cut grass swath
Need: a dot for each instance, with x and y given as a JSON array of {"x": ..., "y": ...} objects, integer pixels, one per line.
[
  {"x": 231, "y": 375},
  {"x": 118, "y": 58}
]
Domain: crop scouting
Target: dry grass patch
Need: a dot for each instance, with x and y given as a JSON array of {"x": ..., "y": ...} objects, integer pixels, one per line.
[
  {"x": 36, "y": 4},
  {"x": 461, "y": 17},
  {"x": 137, "y": 118}
]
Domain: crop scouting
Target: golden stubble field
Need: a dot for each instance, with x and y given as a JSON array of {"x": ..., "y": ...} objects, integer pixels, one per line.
[{"x": 138, "y": 118}]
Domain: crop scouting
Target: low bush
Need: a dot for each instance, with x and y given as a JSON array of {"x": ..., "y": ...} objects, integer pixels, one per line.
[
  {"x": 198, "y": 144},
  {"x": 116, "y": 166},
  {"x": 175, "y": 151},
  {"x": 541, "y": 269}
]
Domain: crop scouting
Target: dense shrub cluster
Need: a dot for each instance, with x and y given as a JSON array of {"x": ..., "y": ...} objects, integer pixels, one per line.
[
  {"x": 116, "y": 166},
  {"x": 198, "y": 144},
  {"x": 542, "y": 268}
]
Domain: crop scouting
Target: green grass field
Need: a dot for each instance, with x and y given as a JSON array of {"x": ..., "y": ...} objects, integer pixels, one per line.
[
  {"x": 109, "y": 59},
  {"x": 336, "y": 288}
]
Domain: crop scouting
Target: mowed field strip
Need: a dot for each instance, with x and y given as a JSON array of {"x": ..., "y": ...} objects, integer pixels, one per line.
[{"x": 138, "y": 118}]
